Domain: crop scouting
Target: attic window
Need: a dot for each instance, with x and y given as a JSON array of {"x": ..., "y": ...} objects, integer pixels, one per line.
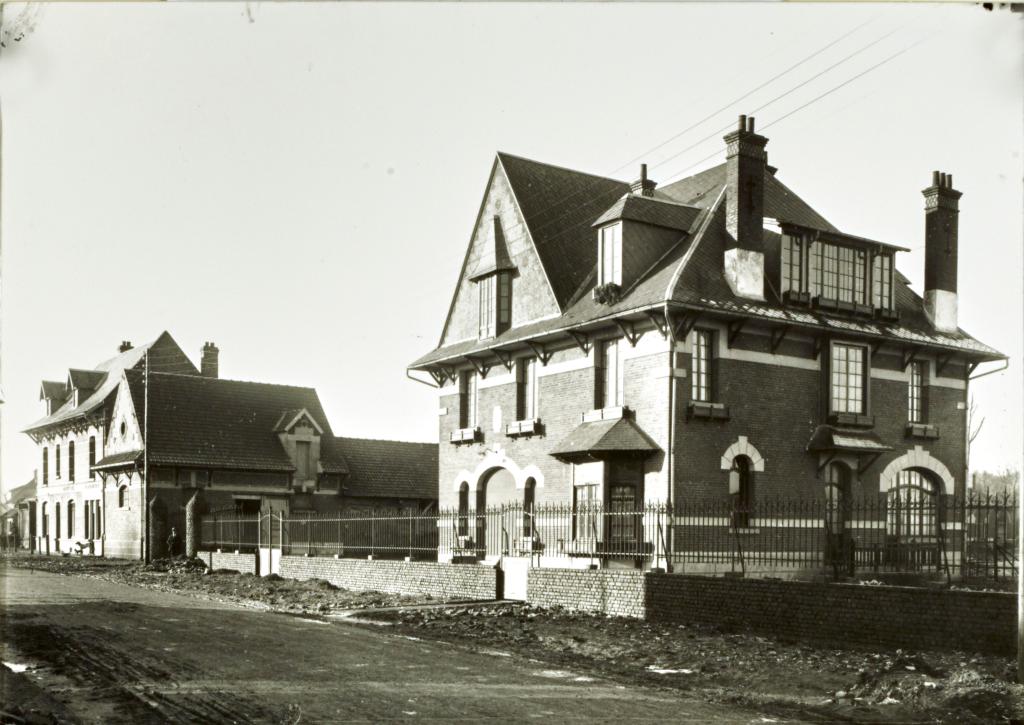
[
  {"x": 609, "y": 269},
  {"x": 495, "y": 291},
  {"x": 881, "y": 281}
]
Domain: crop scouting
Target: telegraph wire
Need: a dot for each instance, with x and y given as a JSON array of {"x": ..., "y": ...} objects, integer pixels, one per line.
[{"x": 743, "y": 97}]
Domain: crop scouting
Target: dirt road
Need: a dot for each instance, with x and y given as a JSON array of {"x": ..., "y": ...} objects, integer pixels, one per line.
[{"x": 112, "y": 653}]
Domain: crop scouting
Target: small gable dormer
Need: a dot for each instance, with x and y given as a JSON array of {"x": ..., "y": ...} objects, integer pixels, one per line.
[
  {"x": 52, "y": 393},
  {"x": 300, "y": 435},
  {"x": 636, "y": 232}
]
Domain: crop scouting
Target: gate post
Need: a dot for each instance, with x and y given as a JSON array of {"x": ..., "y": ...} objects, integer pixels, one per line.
[{"x": 191, "y": 526}]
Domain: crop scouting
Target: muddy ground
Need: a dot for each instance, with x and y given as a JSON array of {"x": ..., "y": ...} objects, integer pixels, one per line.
[
  {"x": 785, "y": 678},
  {"x": 314, "y": 596}
]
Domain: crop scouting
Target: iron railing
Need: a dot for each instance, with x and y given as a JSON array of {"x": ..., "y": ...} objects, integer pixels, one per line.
[{"x": 905, "y": 532}]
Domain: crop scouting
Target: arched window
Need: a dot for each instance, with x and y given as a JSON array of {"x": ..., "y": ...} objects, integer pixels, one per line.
[
  {"x": 56, "y": 461},
  {"x": 122, "y": 496},
  {"x": 463, "y": 509},
  {"x": 71, "y": 519},
  {"x": 912, "y": 506},
  {"x": 71, "y": 460},
  {"x": 529, "y": 497},
  {"x": 56, "y": 520},
  {"x": 741, "y": 491},
  {"x": 46, "y": 465},
  {"x": 46, "y": 520},
  {"x": 837, "y": 496}
]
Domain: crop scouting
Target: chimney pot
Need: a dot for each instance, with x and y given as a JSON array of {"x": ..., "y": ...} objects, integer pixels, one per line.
[
  {"x": 935, "y": 178},
  {"x": 209, "y": 366},
  {"x": 125, "y": 346},
  {"x": 743, "y": 122},
  {"x": 643, "y": 185},
  {"x": 750, "y": 124}
]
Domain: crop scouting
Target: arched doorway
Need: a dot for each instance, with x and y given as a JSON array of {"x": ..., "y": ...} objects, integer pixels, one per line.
[
  {"x": 838, "y": 505},
  {"x": 741, "y": 491},
  {"x": 496, "y": 495}
]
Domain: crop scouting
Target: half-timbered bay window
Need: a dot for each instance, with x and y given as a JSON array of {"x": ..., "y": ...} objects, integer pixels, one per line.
[
  {"x": 495, "y": 294},
  {"x": 849, "y": 379},
  {"x": 881, "y": 282},
  {"x": 610, "y": 255},
  {"x": 792, "y": 263}
]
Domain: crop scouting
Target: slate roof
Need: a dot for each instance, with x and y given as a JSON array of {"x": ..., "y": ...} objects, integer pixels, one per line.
[
  {"x": 53, "y": 389},
  {"x": 689, "y": 276},
  {"x": 389, "y": 469},
  {"x": 621, "y": 435},
  {"x": 650, "y": 210},
  {"x": 216, "y": 423},
  {"x": 166, "y": 355},
  {"x": 118, "y": 459},
  {"x": 86, "y": 379}
]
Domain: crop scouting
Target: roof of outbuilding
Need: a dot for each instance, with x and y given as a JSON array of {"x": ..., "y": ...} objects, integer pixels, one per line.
[
  {"x": 389, "y": 469},
  {"x": 210, "y": 422},
  {"x": 561, "y": 206}
]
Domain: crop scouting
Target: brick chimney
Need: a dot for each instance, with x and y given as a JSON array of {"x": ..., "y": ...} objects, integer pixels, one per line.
[
  {"x": 209, "y": 365},
  {"x": 643, "y": 186},
  {"x": 941, "y": 209},
  {"x": 125, "y": 346},
  {"x": 745, "y": 163}
]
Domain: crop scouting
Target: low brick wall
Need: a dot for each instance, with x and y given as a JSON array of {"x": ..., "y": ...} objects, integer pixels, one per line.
[
  {"x": 448, "y": 581},
  {"x": 841, "y": 613},
  {"x": 245, "y": 563}
]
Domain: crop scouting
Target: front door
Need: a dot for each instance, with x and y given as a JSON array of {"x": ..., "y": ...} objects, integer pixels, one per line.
[{"x": 623, "y": 520}]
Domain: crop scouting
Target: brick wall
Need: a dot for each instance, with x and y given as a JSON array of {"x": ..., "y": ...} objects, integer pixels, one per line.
[
  {"x": 841, "y": 613},
  {"x": 448, "y": 581},
  {"x": 244, "y": 563}
]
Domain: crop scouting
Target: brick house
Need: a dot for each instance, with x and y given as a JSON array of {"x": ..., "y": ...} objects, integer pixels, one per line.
[
  {"x": 715, "y": 339},
  {"x": 186, "y": 441}
]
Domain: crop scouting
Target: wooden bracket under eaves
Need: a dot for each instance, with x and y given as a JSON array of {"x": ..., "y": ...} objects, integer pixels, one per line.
[
  {"x": 681, "y": 327},
  {"x": 735, "y": 326},
  {"x": 505, "y": 358},
  {"x": 628, "y": 330},
  {"x": 659, "y": 321},
  {"x": 582, "y": 340},
  {"x": 778, "y": 335},
  {"x": 909, "y": 353},
  {"x": 542, "y": 353},
  {"x": 479, "y": 365}
]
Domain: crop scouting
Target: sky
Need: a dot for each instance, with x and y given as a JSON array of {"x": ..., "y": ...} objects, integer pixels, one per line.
[{"x": 298, "y": 182}]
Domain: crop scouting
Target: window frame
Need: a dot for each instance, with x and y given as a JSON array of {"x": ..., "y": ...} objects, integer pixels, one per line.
[
  {"x": 865, "y": 374},
  {"x": 609, "y": 266},
  {"x": 469, "y": 391},
  {"x": 792, "y": 270},
  {"x": 56, "y": 459},
  {"x": 71, "y": 461},
  {"x": 527, "y": 393},
  {"x": 917, "y": 411},
  {"x": 881, "y": 281},
  {"x": 609, "y": 368},
  {"x": 486, "y": 295},
  {"x": 92, "y": 456},
  {"x": 46, "y": 465},
  {"x": 702, "y": 366}
]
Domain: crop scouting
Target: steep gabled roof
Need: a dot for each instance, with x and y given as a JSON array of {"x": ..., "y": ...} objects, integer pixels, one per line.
[
  {"x": 559, "y": 206},
  {"x": 389, "y": 469},
  {"x": 209, "y": 422},
  {"x": 165, "y": 356}
]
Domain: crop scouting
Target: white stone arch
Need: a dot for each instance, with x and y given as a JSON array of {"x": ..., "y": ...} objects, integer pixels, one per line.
[
  {"x": 916, "y": 457},
  {"x": 497, "y": 458},
  {"x": 743, "y": 447}
]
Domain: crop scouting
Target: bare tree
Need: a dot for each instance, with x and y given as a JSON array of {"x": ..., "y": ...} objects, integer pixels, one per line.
[{"x": 973, "y": 428}]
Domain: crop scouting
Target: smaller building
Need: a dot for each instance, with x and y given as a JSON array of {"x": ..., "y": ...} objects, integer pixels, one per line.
[
  {"x": 17, "y": 517},
  {"x": 168, "y": 442}
]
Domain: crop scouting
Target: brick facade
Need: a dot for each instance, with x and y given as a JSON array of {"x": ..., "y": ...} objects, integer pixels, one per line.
[
  {"x": 444, "y": 581},
  {"x": 244, "y": 563},
  {"x": 844, "y": 613}
]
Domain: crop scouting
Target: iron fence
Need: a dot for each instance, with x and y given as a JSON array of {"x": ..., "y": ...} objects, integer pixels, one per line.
[{"x": 903, "y": 532}]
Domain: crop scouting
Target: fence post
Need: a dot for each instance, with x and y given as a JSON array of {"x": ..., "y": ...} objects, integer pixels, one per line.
[{"x": 410, "y": 534}]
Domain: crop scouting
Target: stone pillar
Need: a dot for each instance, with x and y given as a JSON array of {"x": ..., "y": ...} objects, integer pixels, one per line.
[{"x": 192, "y": 512}]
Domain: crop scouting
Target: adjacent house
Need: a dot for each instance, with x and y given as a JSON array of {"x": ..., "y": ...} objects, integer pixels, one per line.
[
  {"x": 17, "y": 516},
  {"x": 146, "y": 441},
  {"x": 715, "y": 339}
]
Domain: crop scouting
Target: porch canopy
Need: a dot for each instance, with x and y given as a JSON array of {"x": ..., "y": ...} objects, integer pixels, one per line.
[
  {"x": 605, "y": 437},
  {"x": 827, "y": 441}
]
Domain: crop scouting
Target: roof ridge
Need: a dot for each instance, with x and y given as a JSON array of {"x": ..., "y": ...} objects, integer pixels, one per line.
[
  {"x": 223, "y": 380},
  {"x": 502, "y": 154}
]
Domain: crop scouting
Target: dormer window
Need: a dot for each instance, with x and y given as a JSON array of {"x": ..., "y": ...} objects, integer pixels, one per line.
[
  {"x": 495, "y": 291},
  {"x": 610, "y": 255},
  {"x": 792, "y": 263}
]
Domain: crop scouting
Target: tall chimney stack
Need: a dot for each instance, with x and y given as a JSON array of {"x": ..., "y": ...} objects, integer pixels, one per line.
[
  {"x": 745, "y": 162},
  {"x": 941, "y": 212},
  {"x": 125, "y": 346},
  {"x": 209, "y": 365},
  {"x": 643, "y": 186}
]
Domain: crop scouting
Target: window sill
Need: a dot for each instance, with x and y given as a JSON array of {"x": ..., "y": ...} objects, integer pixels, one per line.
[
  {"x": 883, "y": 313},
  {"x": 527, "y": 427},
  {"x": 921, "y": 430},
  {"x": 791, "y": 297},
  {"x": 606, "y": 414},
  {"x": 465, "y": 435},
  {"x": 697, "y": 409},
  {"x": 854, "y": 420}
]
